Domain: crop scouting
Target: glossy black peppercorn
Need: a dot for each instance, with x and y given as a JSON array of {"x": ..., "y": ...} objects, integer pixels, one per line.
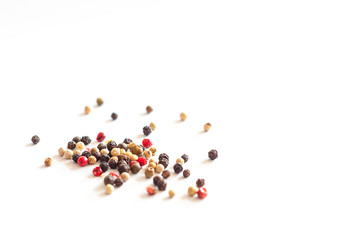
[
  {"x": 114, "y": 116},
  {"x": 164, "y": 162},
  {"x": 185, "y": 157},
  {"x": 86, "y": 140},
  {"x": 147, "y": 130},
  {"x": 200, "y": 182},
  {"x": 111, "y": 145},
  {"x": 163, "y": 155},
  {"x": 186, "y": 173},
  {"x": 127, "y": 140},
  {"x": 75, "y": 157},
  {"x": 71, "y": 145},
  {"x": 109, "y": 179},
  {"x": 96, "y": 155},
  {"x": 118, "y": 182},
  {"x": 178, "y": 168},
  {"x": 86, "y": 154},
  {"x": 123, "y": 146},
  {"x": 156, "y": 180},
  {"x": 104, "y": 166},
  {"x": 166, "y": 174},
  {"x": 101, "y": 146},
  {"x": 123, "y": 168},
  {"x": 162, "y": 185},
  {"x": 213, "y": 154},
  {"x": 104, "y": 158},
  {"x": 112, "y": 163},
  {"x": 76, "y": 139},
  {"x": 35, "y": 139}
]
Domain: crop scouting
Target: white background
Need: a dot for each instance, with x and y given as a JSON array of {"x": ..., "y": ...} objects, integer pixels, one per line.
[{"x": 278, "y": 80}]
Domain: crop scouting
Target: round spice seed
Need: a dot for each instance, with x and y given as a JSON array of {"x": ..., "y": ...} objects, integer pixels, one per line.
[
  {"x": 153, "y": 150},
  {"x": 147, "y": 130},
  {"x": 207, "y": 127},
  {"x": 151, "y": 190},
  {"x": 202, "y": 193},
  {"x": 166, "y": 174},
  {"x": 147, "y": 154},
  {"x": 80, "y": 145},
  {"x": 183, "y": 116},
  {"x": 71, "y": 145},
  {"x": 177, "y": 168},
  {"x": 186, "y": 173},
  {"x": 100, "y": 101},
  {"x": 200, "y": 182},
  {"x": 149, "y": 109},
  {"x": 87, "y": 110},
  {"x": 135, "y": 168},
  {"x": 48, "y": 162},
  {"x": 68, "y": 154},
  {"x": 115, "y": 152},
  {"x": 101, "y": 146},
  {"x": 109, "y": 179},
  {"x": 92, "y": 160},
  {"x": 104, "y": 166},
  {"x": 213, "y": 154},
  {"x": 156, "y": 179},
  {"x": 76, "y": 139},
  {"x": 149, "y": 172},
  {"x": 192, "y": 191},
  {"x": 162, "y": 185},
  {"x": 185, "y": 157},
  {"x": 159, "y": 168},
  {"x": 75, "y": 157},
  {"x": 125, "y": 176},
  {"x": 61, "y": 151},
  {"x": 104, "y": 151},
  {"x": 77, "y": 151},
  {"x": 109, "y": 189},
  {"x": 118, "y": 182},
  {"x": 86, "y": 140},
  {"x": 152, "y": 165},
  {"x": 171, "y": 193},
  {"x": 35, "y": 139},
  {"x": 152, "y": 126},
  {"x": 114, "y": 116},
  {"x": 180, "y": 161},
  {"x": 94, "y": 150}
]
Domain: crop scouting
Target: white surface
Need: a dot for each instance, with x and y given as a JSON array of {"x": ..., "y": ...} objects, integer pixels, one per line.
[{"x": 279, "y": 81}]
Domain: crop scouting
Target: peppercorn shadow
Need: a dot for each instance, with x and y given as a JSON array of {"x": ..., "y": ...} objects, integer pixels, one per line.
[
  {"x": 29, "y": 144},
  {"x": 207, "y": 161},
  {"x": 193, "y": 199}
]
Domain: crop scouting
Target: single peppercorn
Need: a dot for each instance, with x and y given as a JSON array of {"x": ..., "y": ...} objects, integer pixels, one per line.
[
  {"x": 124, "y": 158},
  {"x": 114, "y": 116},
  {"x": 35, "y": 139},
  {"x": 186, "y": 173},
  {"x": 207, "y": 127},
  {"x": 112, "y": 163},
  {"x": 151, "y": 190},
  {"x": 93, "y": 150},
  {"x": 200, "y": 182},
  {"x": 100, "y": 137},
  {"x": 124, "y": 176},
  {"x": 202, "y": 193},
  {"x": 123, "y": 146},
  {"x": 192, "y": 191},
  {"x": 166, "y": 174},
  {"x": 104, "y": 166},
  {"x": 97, "y": 171},
  {"x": 61, "y": 151},
  {"x": 147, "y": 130},
  {"x": 86, "y": 140},
  {"x": 123, "y": 168},
  {"x": 100, "y": 101},
  {"x": 147, "y": 143},
  {"x": 171, "y": 193},
  {"x": 68, "y": 154},
  {"x": 96, "y": 155},
  {"x": 87, "y": 110},
  {"x": 159, "y": 168},
  {"x": 156, "y": 180},
  {"x": 185, "y": 157},
  {"x": 213, "y": 154},
  {"x": 177, "y": 168},
  {"x": 127, "y": 140},
  {"x": 147, "y": 154},
  {"x": 142, "y": 161},
  {"x": 109, "y": 189},
  {"x": 164, "y": 162},
  {"x": 77, "y": 151},
  {"x": 75, "y": 157},
  {"x": 162, "y": 185},
  {"x": 163, "y": 155},
  {"x": 153, "y": 165},
  {"x": 48, "y": 162},
  {"x": 149, "y": 109},
  {"x": 104, "y": 158},
  {"x": 111, "y": 145},
  {"x": 104, "y": 151},
  {"x": 149, "y": 172},
  {"x": 180, "y": 161},
  {"x": 82, "y": 161},
  {"x": 80, "y": 145},
  {"x": 71, "y": 145},
  {"x": 153, "y": 150},
  {"x": 183, "y": 116},
  {"x": 92, "y": 160},
  {"x": 109, "y": 179},
  {"x": 101, "y": 146},
  {"x": 118, "y": 182},
  {"x": 115, "y": 152},
  {"x": 152, "y": 126},
  {"x": 135, "y": 168},
  {"x": 76, "y": 139},
  {"x": 86, "y": 154}
]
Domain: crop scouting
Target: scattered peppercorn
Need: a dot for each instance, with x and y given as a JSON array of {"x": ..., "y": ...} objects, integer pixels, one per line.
[
  {"x": 153, "y": 165},
  {"x": 147, "y": 130},
  {"x": 125, "y": 176},
  {"x": 202, "y": 193},
  {"x": 80, "y": 145},
  {"x": 96, "y": 155},
  {"x": 109, "y": 189},
  {"x": 142, "y": 161},
  {"x": 48, "y": 162},
  {"x": 164, "y": 162},
  {"x": 71, "y": 145},
  {"x": 101, "y": 146},
  {"x": 77, "y": 151},
  {"x": 162, "y": 185},
  {"x": 97, "y": 171},
  {"x": 135, "y": 168},
  {"x": 75, "y": 157},
  {"x": 104, "y": 158},
  {"x": 151, "y": 190},
  {"x": 163, "y": 155},
  {"x": 92, "y": 160},
  {"x": 183, "y": 116},
  {"x": 200, "y": 182},
  {"x": 171, "y": 193},
  {"x": 127, "y": 141},
  {"x": 61, "y": 151},
  {"x": 86, "y": 140},
  {"x": 178, "y": 168},
  {"x": 104, "y": 151},
  {"x": 114, "y": 116},
  {"x": 159, "y": 168},
  {"x": 180, "y": 161},
  {"x": 147, "y": 154},
  {"x": 100, "y": 137},
  {"x": 123, "y": 168},
  {"x": 68, "y": 154},
  {"x": 82, "y": 161},
  {"x": 100, "y": 101},
  {"x": 186, "y": 173},
  {"x": 207, "y": 126},
  {"x": 87, "y": 110},
  {"x": 149, "y": 172},
  {"x": 124, "y": 158},
  {"x": 156, "y": 180},
  {"x": 109, "y": 179},
  {"x": 149, "y": 109},
  {"x": 76, "y": 139},
  {"x": 104, "y": 166},
  {"x": 152, "y": 126},
  {"x": 153, "y": 150},
  {"x": 35, "y": 139},
  {"x": 86, "y": 154},
  {"x": 185, "y": 157},
  {"x": 213, "y": 154},
  {"x": 192, "y": 191},
  {"x": 123, "y": 146},
  {"x": 111, "y": 145},
  {"x": 166, "y": 174},
  {"x": 147, "y": 143},
  {"x": 118, "y": 182},
  {"x": 112, "y": 163}
]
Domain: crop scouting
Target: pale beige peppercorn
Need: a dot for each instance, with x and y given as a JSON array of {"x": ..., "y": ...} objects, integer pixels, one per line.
[
  {"x": 153, "y": 150},
  {"x": 87, "y": 110},
  {"x": 180, "y": 161},
  {"x": 183, "y": 116},
  {"x": 115, "y": 152},
  {"x": 152, "y": 126},
  {"x": 77, "y": 151},
  {"x": 104, "y": 151},
  {"x": 192, "y": 191},
  {"x": 109, "y": 189},
  {"x": 128, "y": 154},
  {"x": 94, "y": 150},
  {"x": 131, "y": 145},
  {"x": 152, "y": 165},
  {"x": 171, "y": 193},
  {"x": 92, "y": 160},
  {"x": 133, "y": 157},
  {"x": 68, "y": 154},
  {"x": 48, "y": 162},
  {"x": 122, "y": 151},
  {"x": 147, "y": 154},
  {"x": 80, "y": 145},
  {"x": 61, "y": 151},
  {"x": 125, "y": 176},
  {"x": 207, "y": 126},
  {"x": 115, "y": 158},
  {"x": 152, "y": 160},
  {"x": 159, "y": 168},
  {"x": 149, "y": 172}
]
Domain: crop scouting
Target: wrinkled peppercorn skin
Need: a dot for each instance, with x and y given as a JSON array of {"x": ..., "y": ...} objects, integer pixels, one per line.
[{"x": 213, "y": 154}]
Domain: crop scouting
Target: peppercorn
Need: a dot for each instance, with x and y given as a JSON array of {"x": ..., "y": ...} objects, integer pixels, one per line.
[
  {"x": 149, "y": 172},
  {"x": 109, "y": 189},
  {"x": 100, "y": 101},
  {"x": 101, "y": 146},
  {"x": 109, "y": 179},
  {"x": 96, "y": 155},
  {"x": 77, "y": 151},
  {"x": 147, "y": 143},
  {"x": 75, "y": 157},
  {"x": 156, "y": 180},
  {"x": 104, "y": 151},
  {"x": 86, "y": 140},
  {"x": 87, "y": 110},
  {"x": 35, "y": 139},
  {"x": 118, "y": 182},
  {"x": 48, "y": 162},
  {"x": 192, "y": 191},
  {"x": 100, "y": 137},
  {"x": 149, "y": 109},
  {"x": 137, "y": 150},
  {"x": 147, "y": 154},
  {"x": 114, "y": 116},
  {"x": 97, "y": 171},
  {"x": 76, "y": 139},
  {"x": 177, "y": 168},
  {"x": 125, "y": 176},
  {"x": 71, "y": 145},
  {"x": 92, "y": 160},
  {"x": 123, "y": 168},
  {"x": 207, "y": 126},
  {"x": 151, "y": 190},
  {"x": 159, "y": 168},
  {"x": 171, "y": 193},
  {"x": 80, "y": 145},
  {"x": 152, "y": 160},
  {"x": 114, "y": 175},
  {"x": 93, "y": 150},
  {"x": 68, "y": 154},
  {"x": 162, "y": 185},
  {"x": 112, "y": 163},
  {"x": 86, "y": 154},
  {"x": 185, "y": 157},
  {"x": 111, "y": 145},
  {"x": 104, "y": 158},
  {"x": 164, "y": 162},
  {"x": 163, "y": 155},
  {"x": 127, "y": 141},
  {"x": 200, "y": 182},
  {"x": 104, "y": 166},
  {"x": 133, "y": 157},
  {"x": 152, "y": 126},
  {"x": 213, "y": 154},
  {"x": 123, "y": 146},
  {"x": 166, "y": 174},
  {"x": 128, "y": 154},
  {"x": 135, "y": 168},
  {"x": 124, "y": 158},
  {"x": 202, "y": 193},
  {"x": 153, "y": 150},
  {"x": 180, "y": 161},
  {"x": 186, "y": 173},
  {"x": 183, "y": 116},
  {"x": 82, "y": 161},
  {"x": 61, "y": 151},
  {"x": 142, "y": 161},
  {"x": 147, "y": 130},
  {"x": 115, "y": 152}
]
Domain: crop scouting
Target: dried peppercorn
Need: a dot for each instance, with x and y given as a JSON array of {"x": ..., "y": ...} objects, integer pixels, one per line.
[
  {"x": 104, "y": 151},
  {"x": 192, "y": 191},
  {"x": 80, "y": 145},
  {"x": 115, "y": 152},
  {"x": 151, "y": 190},
  {"x": 162, "y": 185},
  {"x": 153, "y": 150},
  {"x": 207, "y": 127},
  {"x": 147, "y": 130},
  {"x": 177, "y": 168},
  {"x": 180, "y": 161},
  {"x": 147, "y": 154},
  {"x": 213, "y": 154},
  {"x": 186, "y": 173},
  {"x": 114, "y": 175},
  {"x": 185, "y": 157},
  {"x": 183, "y": 116},
  {"x": 114, "y": 116},
  {"x": 112, "y": 163},
  {"x": 96, "y": 155},
  {"x": 152, "y": 126},
  {"x": 159, "y": 168},
  {"x": 61, "y": 151},
  {"x": 123, "y": 168},
  {"x": 156, "y": 180},
  {"x": 86, "y": 154},
  {"x": 149, "y": 109},
  {"x": 153, "y": 165},
  {"x": 200, "y": 182},
  {"x": 35, "y": 139},
  {"x": 71, "y": 145},
  {"x": 82, "y": 161},
  {"x": 127, "y": 140},
  {"x": 171, "y": 193},
  {"x": 164, "y": 162},
  {"x": 149, "y": 172},
  {"x": 87, "y": 110},
  {"x": 124, "y": 158},
  {"x": 48, "y": 162},
  {"x": 76, "y": 151},
  {"x": 104, "y": 166},
  {"x": 147, "y": 143},
  {"x": 75, "y": 157},
  {"x": 135, "y": 168},
  {"x": 100, "y": 137},
  {"x": 92, "y": 160},
  {"x": 125, "y": 176},
  {"x": 68, "y": 154},
  {"x": 118, "y": 182},
  {"x": 104, "y": 158},
  {"x": 76, "y": 139},
  {"x": 86, "y": 140},
  {"x": 166, "y": 174},
  {"x": 109, "y": 189},
  {"x": 101, "y": 146},
  {"x": 163, "y": 155},
  {"x": 97, "y": 171},
  {"x": 100, "y": 101},
  {"x": 123, "y": 146},
  {"x": 93, "y": 150},
  {"x": 142, "y": 161},
  {"x": 111, "y": 145},
  {"x": 109, "y": 179},
  {"x": 202, "y": 193},
  {"x": 133, "y": 157}
]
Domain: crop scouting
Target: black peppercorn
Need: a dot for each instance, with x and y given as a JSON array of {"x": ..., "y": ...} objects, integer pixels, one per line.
[
  {"x": 147, "y": 130},
  {"x": 114, "y": 116},
  {"x": 121, "y": 162},
  {"x": 177, "y": 168},
  {"x": 35, "y": 139},
  {"x": 164, "y": 162},
  {"x": 101, "y": 146},
  {"x": 127, "y": 140},
  {"x": 123, "y": 168},
  {"x": 185, "y": 157},
  {"x": 162, "y": 185},
  {"x": 86, "y": 154},
  {"x": 104, "y": 158},
  {"x": 163, "y": 155},
  {"x": 166, "y": 174},
  {"x": 71, "y": 145},
  {"x": 124, "y": 158},
  {"x": 96, "y": 155},
  {"x": 118, "y": 182},
  {"x": 156, "y": 180},
  {"x": 112, "y": 163},
  {"x": 76, "y": 139},
  {"x": 111, "y": 145},
  {"x": 123, "y": 146},
  {"x": 135, "y": 168},
  {"x": 200, "y": 182},
  {"x": 75, "y": 157},
  {"x": 104, "y": 166},
  {"x": 186, "y": 173},
  {"x": 213, "y": 154},
  {"x": 86, "y": 140},
  {"x": 109, "y": 179}
]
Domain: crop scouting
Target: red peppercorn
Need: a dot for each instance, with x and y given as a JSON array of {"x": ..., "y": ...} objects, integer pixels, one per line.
[
  {"x": 142, "y": 161},
  {"x": 202, "y": 193},
  {"x": 147, "y": 143},
  {"x": 151, "y": 190},
  {"x": 97, "y": 171},
  {"x": 100, "y": 137},
  {"x": 82, "y": 161},
  {"x": 114, "y": 175}
]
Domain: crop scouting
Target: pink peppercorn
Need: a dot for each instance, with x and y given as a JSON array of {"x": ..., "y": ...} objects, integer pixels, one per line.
[
  {"x": 97, "y": 171},
  {"x": 151, "y": 190},
  {"x": 82, "y": 161},
  {"x": 147, "y": 143},
  {"x": 202, "y": 193},
  {"x": 142, "y": 161},
  {"x": 100, "y": 137},
  {"x": 114, "y": 175}
]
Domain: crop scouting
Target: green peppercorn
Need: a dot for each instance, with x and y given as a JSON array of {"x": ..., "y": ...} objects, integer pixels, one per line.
[{"x": 100, "y": 101}]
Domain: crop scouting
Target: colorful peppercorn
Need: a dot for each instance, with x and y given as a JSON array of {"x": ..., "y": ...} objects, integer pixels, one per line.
[
  {"x": 147, "y": 130},
  {"x": 156, "y": 180},
  {"x": 101, "y": 146},
  {"x": 111, "y": 145},
  {"x": 159, "y": 168},
  {"x": 149, "y": 172},
  {"x": 80, "y": 145},
  {"x": 180, "y": 161},
  {"x": 115, "y": 152},
  {"x": 171, "y": 193},
  {"x": 152, "y": 126},
  {"x": 125, "y": 176},
  {"x": 61, "y": 151},
  {"x": 147, "y": 143},
  {"x": 104, "y": 151},
  {"x": 100, "y": 101},
  {"x": 109, "y": 189},
  {"x": 149, "y": 109},
  {"x": 153, "y": 150},
  {"x": 200, "y": 182},
  {"x": 186, "y": 173},
  {"x": 86, "y": 140},
  {"x": 142, "y": 161},
  {"x": 123, "y": 168},
  {"x": 207, "y": 127},
  {"x": 100, "y": 137},
  {"x": 109, "y": 179},
  {"x": 87, "y": 110},
  {"x": 164, "y": 162},
  {"x": 177, "y": 168},
  {"x": 192, "y": 191},
  {"x": 152, "y": 165},
  {"x": 114, "y": 116},
  {"x": 96, "y": 155},
  {"x": 114, "y": 175},
  {"x": 185, "y": 157},
  {"x": 97, "y": 171},
  {"x": 35, "y": 139},
  {"x": 77, "y": 151},
  {"x": 92, "y": 160},
  {"x": 76, "y": 139},
  {"x": 113, "y": 163},
  {"x": 48, "y": 162},
  {"x": 213, "y": 154},
  {"x": 151, "y": 190},
  {"x": 166, "y": 174},
  {"x": 183, "y": 116},
  {"x": 202, "y": 193},
  {"x": 135, "y": 168},
  {"x": 162, "y": 185},
  {"x": 68, "y": 154},
  {"x": 71, "y": 145},
  {"x": 75, "y": 157},
  {"x": 104, "y": 166},
  {"x": 82, "y": 161},
  {"x": 147, "y": 154},
  {"x": 127, "y": 141}
]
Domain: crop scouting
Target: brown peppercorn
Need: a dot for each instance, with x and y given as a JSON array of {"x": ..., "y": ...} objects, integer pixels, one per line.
[
  {"x": 185, "y": 157},
  {"x": 100, "y": 101},
  {"x": 152, "y": 126},
  {"x": 71, "y": 145},
  {"x": 147, "y": 154},
  {"x": 48, "y": 162},
  {"x": 87, "y": 110},
  {"x": 192, "y": 191},
  {"x": 135, "y": 168},
  {"x": 76, "y": 139},
  {"x": 118, "y": 182},
  {"x": 213, "y": 154},
  {"x": 92, "y": 160},
  {"x": 123, "y": 146},
  {"x": 200, "y": 182},
  {"x": 149, "y": 109},
  {"x": 61, "y": 151},
  {"x": 186, "y": 173},
  {"x": 162, "y": 185},
  {"x": 166, "y": 174},
  {"x": 153, "y": 150},
  {"x": 113, "y": 163},
  {"x": 183, "y": 116},
  {"x": 207, "y": 126},
  {"x": 127, "y": 141},
  {"x": 111, "y": 145},
  {"x": 156, "y": 180},
  {"x": 149, "y": 172},
  {"x": 123, "y": 168},
  {"x": 147, "y": 130},
  {"x": 153, "y": 165},
  {"x": 109, "y": 179},
  {"x": 177, "y": 168},
  {"x": 124, "y": 158},
  {"x": 164, "y": 162},
  {"x": 101, "y": 146},
  {"x": 93, "y": 150}
]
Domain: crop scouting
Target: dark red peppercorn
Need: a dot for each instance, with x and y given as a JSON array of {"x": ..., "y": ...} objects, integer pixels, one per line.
[
  {"x": 71, "y": 145},
  {"x": 35, "y": 139},
  {"x": 147, "y": 130},
  {"x": 156, "y": 180},
  {"x": 86, "y": 154},
  {"x": 76, "y": 139},
  {"x": 200, "y": 182},
  {"x": 97, "y": 171},
  {"x": 104, "y": 158},
  {"x": 86, "y": 140},
  {"x": 142, "y": 161},
  {"x": 112, "y": 163},
  {"x": 185, "y": 157},
  {"x": 147, "y": 143},
  {"x": 82, "y": 161},
  {"x": 202, "y": 193},
  {"x": 151, "y": 190},
  {"x": 118, "y": 182},
  {"x": 127, "y": 140},
  {"x": 101, "y": 146},
  {"x": 178, "y": 168},
  {"x": 104, "y": 166},
  {"x": 123, "y": 168},
  {"x": 213, "y": 154},
  {"x": 100, "y": 137},
  {"x": 75, "y": 157},
  {"x": 114, "y": 116},
  {"x": 186, "y": 173},
  {"x": 111, "y": 145}
]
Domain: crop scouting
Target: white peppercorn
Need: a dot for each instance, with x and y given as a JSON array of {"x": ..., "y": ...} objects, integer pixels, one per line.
[
  {"x": 80, "y": 145},
  {"x": 180, "y": 161},
  {"x": 68, "y": 154},
  {"x": 115, "y": 152},
  {"x": 183, "y": 116},
  {"x": 125, "y": 176},
  {"x": 61, "y": 151},
  {"x": 109, "y": 188},
  {"x": 159, "y": 168},
  {"x": 192, "y": 191}
]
